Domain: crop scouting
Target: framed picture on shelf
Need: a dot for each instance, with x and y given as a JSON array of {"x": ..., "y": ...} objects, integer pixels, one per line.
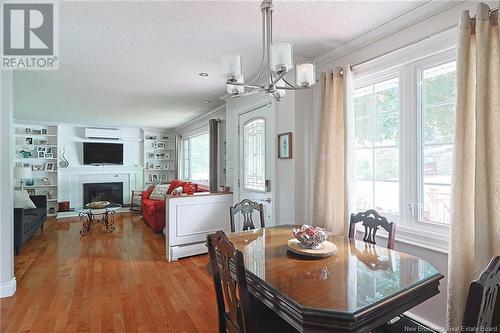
[
  {"x": 163, "y": 178},
  {"x": 47, "y": 155},
  {"x": 44, "y": 131},
  {"x": 41, "y": 142},
  {"x": 154, "y": 178},
  {"x": 151, "y": 137},
  {"x": 159, "y": 145},
  {"x": 27, "y": 131},
  {"x": 167, "y": 155},
  {"x": 31, "y": 192},
  {"x": 41, "y": 154},
  {"x": 151, "y": 155},
  {"x": 49, "y": 166},
  {"x": 285, "y": 145},
  {"x": 48, "y": 150},
  {"x": 29, "y": 141},
  {"x": 37, "y": 167},
  {"x": 39, "y": 149},
  {"x": 166, "y": 166},
  {"x": 36, "y": 132}
]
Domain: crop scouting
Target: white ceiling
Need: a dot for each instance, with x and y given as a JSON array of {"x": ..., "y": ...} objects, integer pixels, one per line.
[{"x": 136, "y": 63}]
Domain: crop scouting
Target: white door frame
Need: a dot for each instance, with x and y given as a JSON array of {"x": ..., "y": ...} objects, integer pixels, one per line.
[{"x": 250, "y": 106}]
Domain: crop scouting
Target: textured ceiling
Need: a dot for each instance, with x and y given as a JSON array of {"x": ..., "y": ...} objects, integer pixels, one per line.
[{"x": 136, "y": 63}]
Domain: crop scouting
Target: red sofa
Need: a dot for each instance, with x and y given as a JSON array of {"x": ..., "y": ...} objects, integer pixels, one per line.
[{"x": 153, "y": 211}]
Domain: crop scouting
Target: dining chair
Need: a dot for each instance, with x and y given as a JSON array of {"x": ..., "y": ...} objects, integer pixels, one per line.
[
  {"x": 482, "y": 309},
  {"x": 372, "y": 220},
  {"x": 246, "y": 207},
  {"x": 228, "y": 272}
]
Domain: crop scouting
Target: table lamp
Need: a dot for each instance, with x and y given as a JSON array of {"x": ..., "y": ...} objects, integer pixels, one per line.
[{"x": 22, "y": 173}]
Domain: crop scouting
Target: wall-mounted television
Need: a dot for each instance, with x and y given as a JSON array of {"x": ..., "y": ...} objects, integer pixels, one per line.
[{"x": 102, "y": 153}]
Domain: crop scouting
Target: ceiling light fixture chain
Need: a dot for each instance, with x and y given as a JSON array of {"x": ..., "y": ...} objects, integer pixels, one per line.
[{"x": 276, "y": 63}]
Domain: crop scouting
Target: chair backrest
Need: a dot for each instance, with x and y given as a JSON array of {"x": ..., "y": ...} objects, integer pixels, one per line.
[
  {"x": 246, "y": 208},
  {"x": 228, "y": 271},
  {"x": 371, "y": 220},
  {"x": 482, "y": 310}
]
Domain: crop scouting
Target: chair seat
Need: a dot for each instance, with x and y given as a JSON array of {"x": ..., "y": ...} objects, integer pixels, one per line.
[{"x": 402, "y": 324}]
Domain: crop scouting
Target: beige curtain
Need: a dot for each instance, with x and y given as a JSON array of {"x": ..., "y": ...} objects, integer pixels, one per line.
[
  {"x": 332, "y": 179},
  {"x": 475, "y": 217}
]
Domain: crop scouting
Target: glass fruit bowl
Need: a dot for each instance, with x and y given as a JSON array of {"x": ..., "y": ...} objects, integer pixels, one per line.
[{"x": 310, "y": 237}]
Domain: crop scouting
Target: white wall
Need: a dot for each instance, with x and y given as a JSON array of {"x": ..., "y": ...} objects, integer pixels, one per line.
[
  {"x": 71, "y": 138},
  {"x": 7, "y": 279}
]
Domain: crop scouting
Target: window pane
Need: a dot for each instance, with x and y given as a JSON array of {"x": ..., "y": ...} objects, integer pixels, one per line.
[
  {"x": 200, "y": 157},
  {"x": 436, "y": 204},
  {"x": 364, "y": 164},
  {"x": 387, "y": 197},
  {"x": 438, "y": 92},
  {"x": 387, "y": 131},
  {"x": 254, "y": 155},
  {"x": 377, "y": 125},
  {"x": 437, "y": 164},
  {"x": 364, "y": 195},
  {"x": 387, "y": 164}
]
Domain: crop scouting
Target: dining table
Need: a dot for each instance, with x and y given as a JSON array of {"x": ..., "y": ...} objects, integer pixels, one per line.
[{"x": 357, "y": 289}]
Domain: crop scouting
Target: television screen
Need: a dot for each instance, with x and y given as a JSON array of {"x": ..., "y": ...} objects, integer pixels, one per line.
[{"x": 102, "y": 153}]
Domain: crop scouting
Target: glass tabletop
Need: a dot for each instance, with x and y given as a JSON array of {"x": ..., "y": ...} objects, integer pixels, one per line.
[
  {"x": 110, "y": 207},
  {"x": 358, "y": 277}
]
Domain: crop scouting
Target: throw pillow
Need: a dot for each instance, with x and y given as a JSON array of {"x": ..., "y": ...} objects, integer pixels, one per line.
[
  {"x": 173, "y": 185},
  {"x": 177, "y": 191},
  {"x": 189, "y": 188},
  {"x": 159, "y": 192},
  {"x": 22, "y": 200}
]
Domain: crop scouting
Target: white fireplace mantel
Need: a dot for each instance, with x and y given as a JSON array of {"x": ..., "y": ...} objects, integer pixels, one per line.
[{"x": 72, "y": 179}]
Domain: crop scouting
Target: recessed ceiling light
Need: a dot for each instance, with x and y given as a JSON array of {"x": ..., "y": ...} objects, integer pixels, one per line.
[
  {"x": 208, "y": 101},
  {"x": 203, "y": 74}
]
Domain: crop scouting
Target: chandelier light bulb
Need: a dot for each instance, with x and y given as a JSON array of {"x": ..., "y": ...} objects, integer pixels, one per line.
[
  {"x": 231, "y": 67},
  {"x": 305, "y": 74},
  {"x": 281, "y": 57}
]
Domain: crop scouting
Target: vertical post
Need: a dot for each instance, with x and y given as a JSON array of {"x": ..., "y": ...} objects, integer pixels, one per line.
[
  {"x": 7, "y": 279},
  {"x": 213, "y": 130}
]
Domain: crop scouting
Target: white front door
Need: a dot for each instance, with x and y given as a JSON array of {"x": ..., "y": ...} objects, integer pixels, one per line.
[{"x": 256, "y": 160}]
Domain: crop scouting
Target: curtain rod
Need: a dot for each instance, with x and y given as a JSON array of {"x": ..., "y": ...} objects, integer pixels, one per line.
[{"x": 411, "y": 43}]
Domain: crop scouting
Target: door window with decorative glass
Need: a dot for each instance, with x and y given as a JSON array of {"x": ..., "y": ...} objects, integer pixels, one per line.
[{"x": 254, "y": 155}]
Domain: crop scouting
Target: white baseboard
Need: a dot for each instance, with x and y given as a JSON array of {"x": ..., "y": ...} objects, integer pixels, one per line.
[
  {"x": 424, "y": 322},
  {"x": 8, "y": 289}
]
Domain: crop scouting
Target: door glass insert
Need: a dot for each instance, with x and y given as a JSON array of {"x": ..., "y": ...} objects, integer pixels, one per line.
[{"x": 254, "y": 155}]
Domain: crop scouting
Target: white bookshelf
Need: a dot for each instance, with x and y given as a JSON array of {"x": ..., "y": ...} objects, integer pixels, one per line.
[
  {"x": 35, "y": 146},
  {"x": 159, "y": 157}
]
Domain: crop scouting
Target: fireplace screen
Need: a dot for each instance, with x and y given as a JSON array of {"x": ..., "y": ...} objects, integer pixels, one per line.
[{"x": 112, "y": 192}]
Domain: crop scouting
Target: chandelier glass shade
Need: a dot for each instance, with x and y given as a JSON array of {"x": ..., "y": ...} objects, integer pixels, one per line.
[{"x": 276, "y": 63}]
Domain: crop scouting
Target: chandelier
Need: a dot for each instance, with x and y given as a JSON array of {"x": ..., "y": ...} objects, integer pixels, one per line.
[{"x": 276, "y": 63}]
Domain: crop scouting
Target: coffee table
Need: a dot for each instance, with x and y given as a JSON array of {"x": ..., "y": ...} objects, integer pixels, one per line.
[{"x": 91, "y": 216}]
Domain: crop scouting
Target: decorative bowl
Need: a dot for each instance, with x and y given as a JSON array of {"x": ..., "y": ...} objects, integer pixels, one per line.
[
  {"x": 97, "y": 204},
  {"x": 310, "y": 237}
]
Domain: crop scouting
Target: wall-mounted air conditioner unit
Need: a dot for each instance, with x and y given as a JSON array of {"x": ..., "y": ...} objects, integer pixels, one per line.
[{"x": 103, "y": 134}]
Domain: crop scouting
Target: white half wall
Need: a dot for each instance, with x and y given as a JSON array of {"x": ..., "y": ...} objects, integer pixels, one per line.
[{"x": 7, "y": 279}]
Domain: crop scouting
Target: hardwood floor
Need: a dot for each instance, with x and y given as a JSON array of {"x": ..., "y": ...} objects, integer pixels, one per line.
[{"x": 118, "y": 282}]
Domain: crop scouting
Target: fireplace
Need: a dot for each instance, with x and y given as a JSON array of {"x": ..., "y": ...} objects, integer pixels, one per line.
[{"x": 112, "y": 192}]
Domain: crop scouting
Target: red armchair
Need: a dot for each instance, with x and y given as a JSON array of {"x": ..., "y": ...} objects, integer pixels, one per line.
[{"x": 153, "y": 211}]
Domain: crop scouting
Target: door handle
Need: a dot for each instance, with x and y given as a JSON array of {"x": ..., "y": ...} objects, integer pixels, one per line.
[{"x": 268, "y": 200}]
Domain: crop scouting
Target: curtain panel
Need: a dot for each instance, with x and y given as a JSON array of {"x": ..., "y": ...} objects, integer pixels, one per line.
[
  {"x": 333, "y": 165},
  {"x": 475, "y": 215}
]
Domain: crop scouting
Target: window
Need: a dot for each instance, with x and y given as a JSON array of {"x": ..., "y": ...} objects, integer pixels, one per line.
[
  {"x": 404, "y": 129},
  {"x": 254, "y": 155},
  {"x": 196, "y": 158},
  {"x": 437, "y": 112},
  {"x": 377, "y": 146}
]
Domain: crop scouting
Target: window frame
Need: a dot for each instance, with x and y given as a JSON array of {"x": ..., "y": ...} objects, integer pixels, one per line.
[
  {"x": 432, "y": 235},
  {"x": 186, "y": 139}
]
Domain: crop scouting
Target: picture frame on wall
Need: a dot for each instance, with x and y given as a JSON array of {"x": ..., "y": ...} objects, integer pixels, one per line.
[
  {"x": 49, "y": 166},
  {"x": 285, "y": 145}
]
